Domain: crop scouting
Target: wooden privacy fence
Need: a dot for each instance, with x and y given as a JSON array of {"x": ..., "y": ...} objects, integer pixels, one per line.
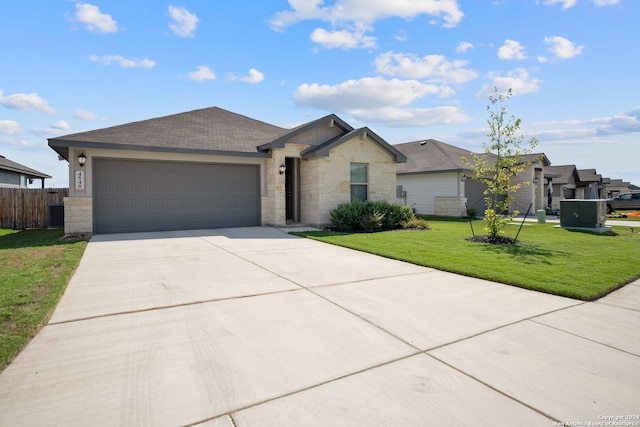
[{"x": 22, "y": 208}]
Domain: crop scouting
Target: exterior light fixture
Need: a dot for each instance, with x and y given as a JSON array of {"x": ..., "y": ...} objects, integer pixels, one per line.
[
  {"x": 463, "y": 178},
  {"x": 282, "y": 169},
  {"x": 535, "y": 180},
  {"x": 82, "y": 159}
]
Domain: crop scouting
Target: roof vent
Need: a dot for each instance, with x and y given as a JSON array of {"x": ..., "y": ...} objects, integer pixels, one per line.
[
  {"x": 423, "y": 142},
  {"x": 2, "y": 157}
]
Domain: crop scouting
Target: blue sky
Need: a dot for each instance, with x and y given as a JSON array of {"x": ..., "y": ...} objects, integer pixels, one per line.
[{"x": 408, "y": 69}]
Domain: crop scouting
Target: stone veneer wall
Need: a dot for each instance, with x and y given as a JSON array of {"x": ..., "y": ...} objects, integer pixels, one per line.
[
  {"x": 78, "y": 215},
  {"x": 450, "y": 206},
  {"x": 334, "y": 178}
]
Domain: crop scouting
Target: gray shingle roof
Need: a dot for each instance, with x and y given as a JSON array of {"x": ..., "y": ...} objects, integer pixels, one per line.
[
  {"x": 562, "y": 174},
  {"x": 432, "y": 155},
  {"x": 9, "y": 165},
  {"x": 209, "y": 129},
  {"x": 589, "y": 175}
]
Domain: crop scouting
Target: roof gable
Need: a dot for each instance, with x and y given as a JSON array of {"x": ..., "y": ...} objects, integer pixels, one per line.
[
  {"x": 331, "y": 119},
  {"x": 324, "y": 149}
]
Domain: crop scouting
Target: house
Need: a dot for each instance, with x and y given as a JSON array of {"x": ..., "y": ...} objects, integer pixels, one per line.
[
  {"x": 615, "y": 187},
  {"x": 15, "y": 175},
  {"x": 212, "y": 168},
  {"x": 590, "y": 185},
  {"x": 564, "y": 183},
  {"x": 436, "y": 181},
  {"x": 433, "y": 180}
]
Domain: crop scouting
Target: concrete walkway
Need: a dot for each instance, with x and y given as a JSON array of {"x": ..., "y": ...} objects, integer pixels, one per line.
[{"x": 254, "y": 327}]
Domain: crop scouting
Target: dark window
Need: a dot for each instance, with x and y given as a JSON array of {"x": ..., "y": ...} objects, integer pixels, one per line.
[{"x": 359, "y": 187}]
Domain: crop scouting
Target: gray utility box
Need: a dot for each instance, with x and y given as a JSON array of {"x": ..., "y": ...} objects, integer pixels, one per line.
[{"x": 583, "y": 213}]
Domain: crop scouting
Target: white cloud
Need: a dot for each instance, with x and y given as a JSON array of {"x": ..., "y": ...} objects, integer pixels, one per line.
[
  {"x": 201, "y": 74},
  {"x": 566, "y": 4},
  {"x": 595, "y": 130},
  {"x": 61, "y": 125},
  {"x": 253, "y": 78},
  {"x": 344, "y": 39},
  {"x": 411, "y": 117},
  {"x": 26, "y": 102},
  {"x": 342, "y": 11},
  {"x": 606, "y": 2},
  {"x": 366, "y": 93},
  {"x": 463, "y": 47},
  {"x": 9, "y": 127},
  {"x": 124, "y": 62},
  {"x": 435, "y": 68},
  {"x": 95, "y": 20},
  {"x": 358, "y": 17},
  {"x": 81, "y": 114},
  {"x": 518, "y": 81},
  {"x": 563, "y": 48},
  {"x": 184, "y": 22},
  {"x": 510, "y": 50},
  {"x": 401, "y": 36}
]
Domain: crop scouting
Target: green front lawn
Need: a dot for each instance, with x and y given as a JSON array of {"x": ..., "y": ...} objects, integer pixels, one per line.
[
  {"x": 35, "y": 267},
  {"x": 575, "y": 264}
]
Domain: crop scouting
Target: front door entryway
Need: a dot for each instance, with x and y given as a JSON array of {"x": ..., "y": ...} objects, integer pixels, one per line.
[{"x": 292, "y": 189}]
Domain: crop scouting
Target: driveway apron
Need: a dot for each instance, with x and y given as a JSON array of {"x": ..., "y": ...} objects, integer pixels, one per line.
[{"x": 256, "y": 327}]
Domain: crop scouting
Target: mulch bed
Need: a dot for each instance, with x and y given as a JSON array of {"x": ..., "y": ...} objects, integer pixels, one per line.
[{"x": 500, "y": 240}]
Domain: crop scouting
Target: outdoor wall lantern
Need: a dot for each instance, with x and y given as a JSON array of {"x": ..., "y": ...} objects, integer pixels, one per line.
[
  {"x": 535, "y": 180},
  {"x": 282, "y": 169},
  {"x": 463, "y": 178},
  {"x": 82, "y": 159}
]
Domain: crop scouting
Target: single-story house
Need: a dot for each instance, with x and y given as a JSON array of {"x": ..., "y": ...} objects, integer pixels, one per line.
[
  {"x": 564, "y": 183},
  {"x": 436, "y": 181},
  {"x": 213, "y": 168},
  {"x": 433, "y": 180},
  {"x": 615, "y": 187},
  {"x": 15, "y": 175},
  {"x": 590, "y": 185}
]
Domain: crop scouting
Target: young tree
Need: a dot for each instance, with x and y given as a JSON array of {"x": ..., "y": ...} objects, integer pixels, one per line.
[{"x": 500, "y": 163}]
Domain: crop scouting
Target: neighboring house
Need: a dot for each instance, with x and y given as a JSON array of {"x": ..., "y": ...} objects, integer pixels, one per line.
[
  {"x": 433, "y": 180},
  {"x": 590, "y": 185},
  {"x": 535, "y": 194},
  {"x": 564, "y": 181},
  {"x": 615, "y": 187},
  {"x": 436, "y": 181},
  {"x": 15, "y": 175},
  {"x": 212, "y": 168}
]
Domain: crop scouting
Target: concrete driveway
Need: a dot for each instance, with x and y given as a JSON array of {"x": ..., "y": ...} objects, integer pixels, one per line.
[{"x": 254, "y": 327}]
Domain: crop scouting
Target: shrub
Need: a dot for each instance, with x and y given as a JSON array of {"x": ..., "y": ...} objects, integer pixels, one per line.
[
  {"x": 370, "y": 216},
  {"x": 472, "y": 212},
  {"x": 416, "y": 223},
  {"x": 371, "y": 221}
]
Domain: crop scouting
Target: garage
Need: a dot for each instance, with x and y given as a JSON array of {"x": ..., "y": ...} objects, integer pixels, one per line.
[{"x": 141, "y": 195}]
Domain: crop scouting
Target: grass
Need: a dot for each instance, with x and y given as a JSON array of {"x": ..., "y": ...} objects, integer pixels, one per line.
[
  {"x": 574, "y": 264},
  {"x": 36, "y": 267}
]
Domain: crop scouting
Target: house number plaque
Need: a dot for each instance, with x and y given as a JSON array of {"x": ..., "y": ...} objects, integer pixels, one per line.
[{"x": 79, "y": 180}]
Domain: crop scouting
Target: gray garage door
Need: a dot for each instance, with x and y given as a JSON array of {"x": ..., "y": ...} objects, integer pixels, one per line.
[{"x": 132, "y": 195}]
